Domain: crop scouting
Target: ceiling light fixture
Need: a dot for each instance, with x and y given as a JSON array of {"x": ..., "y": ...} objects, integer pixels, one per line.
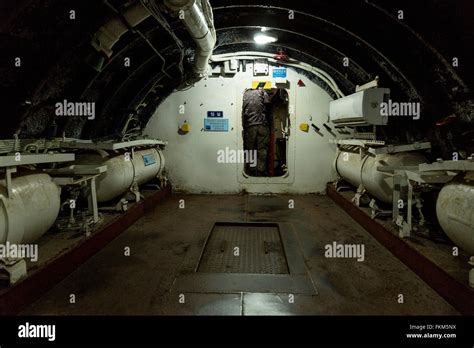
[{"x": 262, "y": 39}]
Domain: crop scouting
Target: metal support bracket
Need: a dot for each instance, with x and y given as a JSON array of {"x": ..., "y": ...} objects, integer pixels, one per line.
[
  {"x": 400, "y": 182},
  {"x": 376, "y": 211},
  {"x": 340, "y": 185},
  {"x": 135, "y": 191},
  {"x": 92, "y": 201},
  {"x": 8, "y": 179},
  {"x": 400, "y": 148},
  {"x": 82, "y": 175},
  {"x": 16, "y": 269},
  {"x": 404, "y": 228},
  {"x": 361, "y": 191}
]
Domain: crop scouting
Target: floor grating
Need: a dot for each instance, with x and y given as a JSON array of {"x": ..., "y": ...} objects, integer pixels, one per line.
[{"x": 244, "y": 248}]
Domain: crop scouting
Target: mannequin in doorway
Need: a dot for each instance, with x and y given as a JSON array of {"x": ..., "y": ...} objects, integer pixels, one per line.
[{"x": 257, "y": 127}]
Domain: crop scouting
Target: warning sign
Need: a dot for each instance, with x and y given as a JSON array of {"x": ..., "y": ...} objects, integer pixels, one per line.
[{"x": 261, "y": 84}]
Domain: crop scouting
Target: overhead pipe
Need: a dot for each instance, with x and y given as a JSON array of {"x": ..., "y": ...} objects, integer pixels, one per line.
[
  {"x": 109, "y": 33},
  {"x": 199, "y": 23},
  {"x": 106, "y": 38}
]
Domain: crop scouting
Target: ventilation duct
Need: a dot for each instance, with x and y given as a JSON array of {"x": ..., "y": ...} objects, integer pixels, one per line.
[{"x": 198, "y": 19}]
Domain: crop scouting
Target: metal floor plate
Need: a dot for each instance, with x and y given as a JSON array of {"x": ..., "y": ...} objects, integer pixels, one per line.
[
  {"x": 206, "y": 269},
  {"x": 244, "y": 248}
]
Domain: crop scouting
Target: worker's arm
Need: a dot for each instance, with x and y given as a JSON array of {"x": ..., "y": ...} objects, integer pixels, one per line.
[{"x": 269, "y": 95}]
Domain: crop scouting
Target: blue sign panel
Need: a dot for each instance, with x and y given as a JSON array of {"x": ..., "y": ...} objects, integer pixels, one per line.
[
  {"x": 149, "y": 159},
  {"x": 215, "y": 114},
  {"x": 216, "y": 124},
  {"x": 279, "y": 72}
]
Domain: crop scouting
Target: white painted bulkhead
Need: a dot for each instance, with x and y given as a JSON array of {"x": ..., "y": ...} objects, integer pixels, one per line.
[{"x": 191, "y": 158}]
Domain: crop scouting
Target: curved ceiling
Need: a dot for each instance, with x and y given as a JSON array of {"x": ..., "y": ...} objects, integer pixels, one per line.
[{"x": 412, "y": 56}]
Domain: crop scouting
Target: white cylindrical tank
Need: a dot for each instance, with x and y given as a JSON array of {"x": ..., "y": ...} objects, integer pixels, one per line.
[
  {"x": 455, "y": 211},
  {"x": 122, "y": 170},
  {"x": 356, "y": 170},
  {"x": 32, "y": 209}
]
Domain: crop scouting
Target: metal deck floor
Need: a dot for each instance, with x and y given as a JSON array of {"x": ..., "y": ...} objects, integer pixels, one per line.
[{"x": 163, "y": 245}]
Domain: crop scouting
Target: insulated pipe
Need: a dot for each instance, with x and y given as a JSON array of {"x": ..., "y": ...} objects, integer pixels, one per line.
[
  {"x": 200, "y": 29},
  {"x": 30, "y": 211},
  {"x": 109, "y": 33},
  {"x": 357, "y": 170},
  {"x": 455, "y": 211},
  {"x": 123, "y": 171}
]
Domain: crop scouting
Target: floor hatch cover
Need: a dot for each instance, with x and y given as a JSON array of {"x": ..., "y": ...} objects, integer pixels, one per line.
[{"x": 244, "y": 248}]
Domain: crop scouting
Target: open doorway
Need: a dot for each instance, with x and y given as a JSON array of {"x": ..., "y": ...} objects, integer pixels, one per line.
[{"x": 266, "y": 124}]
